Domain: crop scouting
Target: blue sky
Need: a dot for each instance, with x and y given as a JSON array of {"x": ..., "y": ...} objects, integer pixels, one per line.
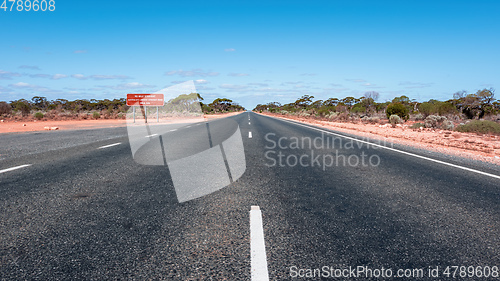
[{"x": 251, "y": 51}]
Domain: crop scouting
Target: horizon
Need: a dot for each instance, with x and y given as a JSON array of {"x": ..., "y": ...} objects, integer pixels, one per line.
[{"x": 252, "y": 53}]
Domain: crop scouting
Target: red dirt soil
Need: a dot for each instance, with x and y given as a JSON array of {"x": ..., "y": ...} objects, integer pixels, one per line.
[
  {"x": 33, "y": 126},
  {"x": 473, "y": 146}
]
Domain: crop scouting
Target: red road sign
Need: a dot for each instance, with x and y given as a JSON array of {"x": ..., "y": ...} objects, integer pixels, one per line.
[{"x": 145, "y": 100}]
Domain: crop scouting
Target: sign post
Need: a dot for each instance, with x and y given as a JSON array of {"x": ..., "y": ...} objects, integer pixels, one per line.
[{"x": 146, "y": 100}]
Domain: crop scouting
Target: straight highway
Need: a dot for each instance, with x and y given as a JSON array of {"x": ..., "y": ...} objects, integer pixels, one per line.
[{"x": 76, "y": 206}]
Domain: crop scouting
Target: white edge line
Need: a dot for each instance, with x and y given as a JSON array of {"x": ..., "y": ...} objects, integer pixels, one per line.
[
  {"x": 249, "y": 135},
  {"x": 257, "y": 246},
  {"x": 396, "y": 150},
  {"x": 151, "y": 135},
  {"x": 14, "y": 168},
  {"x": 109, "y": 145}
]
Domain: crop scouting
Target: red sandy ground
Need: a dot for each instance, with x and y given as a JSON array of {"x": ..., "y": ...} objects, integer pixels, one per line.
[
  {"x": 478, "y": 147},
  {"x": 32, "y": 126}
]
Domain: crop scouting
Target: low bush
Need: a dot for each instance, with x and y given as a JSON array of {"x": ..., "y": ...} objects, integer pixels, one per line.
[
  {"x": 96, "y": 115},
  {"x": 419, "y": 117},
  {"x": 367, "y": 119},
  {"x": 438, "y": 122},
  {"x": 38, "y": 115},
  {"x": 5, "y": 108},
  {"x": 417, "y": 125},
  {"x": 480, "y": 127},
  {"x": 394, "y": 120},
  {"x": 397, "y": 109}
]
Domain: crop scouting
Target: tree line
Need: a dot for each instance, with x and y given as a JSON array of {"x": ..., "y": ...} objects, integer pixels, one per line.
[
  {"x": 471, "y": 105},
  {"x": 26, "y": 107}
]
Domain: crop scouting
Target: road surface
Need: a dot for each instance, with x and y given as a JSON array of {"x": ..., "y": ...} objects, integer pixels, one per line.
[{"x": 75, "y": 205}]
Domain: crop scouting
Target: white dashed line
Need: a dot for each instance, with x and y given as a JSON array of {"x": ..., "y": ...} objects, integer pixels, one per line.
[
  {"x": 151, "y": 135},
  {"x": 257, "y": 246},
  {"x": 14, "y": 168},
  {"x": 249, "y": 135},
  {"x": 400, "y": 151},
  {"x": 109, "y": 145},
  {"x": 248, "y": 123},
  {"x": 173, "y": 130},
  {"x": 188, "y": 126}
]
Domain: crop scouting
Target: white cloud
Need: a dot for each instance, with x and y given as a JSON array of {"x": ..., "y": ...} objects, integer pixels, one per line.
[
  {"x": 32, "y": 67},
  {"x": 356, "y": 80},
  {"x": 195, "y": 72},
  {"x": 106, "y": 77},
  {"x": 259, "y": 84},
  {"x": 237, "y": 74},
  {"x": 100, "y": 77},
  {"x": 22, "y": 85},
  {"x": 79, "y": 76},
  {"x": 6, "y": 75},
  {"x": 39, "y": 75},
  {"x": 59, "y": 76},
  {"x": 414, "y": 85},
  {"x": 229, "y": 50},
  {"x": 233, "y": 87},
  {"x": 129, "y": 86},
  {"x": 204, "y": 88},
  {"x": 197, "y": 82},
  {"x": 32, "y": 87}
]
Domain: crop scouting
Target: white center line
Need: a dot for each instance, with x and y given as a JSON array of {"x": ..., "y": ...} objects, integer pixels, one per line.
[
  {"x": 14, "y": 168},
  {"x": 173, "y": 130},
  {"x": 257, "y": 246},
  {"x": 109, "y": 145},
  {"x": 249, "y": 135},
  {"x": 399, "y": 151},
  {"x": 151, "y": 135},
  {"x": 248, "y": 123}
]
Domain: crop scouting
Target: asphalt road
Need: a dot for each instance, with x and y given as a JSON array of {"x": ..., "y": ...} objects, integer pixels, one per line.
[{"x": 81, "y": 212}]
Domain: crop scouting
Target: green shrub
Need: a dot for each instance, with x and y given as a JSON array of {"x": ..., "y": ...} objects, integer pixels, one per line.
[
  {"x": 394, "y": 119},
  {"x": 419, "y": 117},
  {"x": 5, "y": 108},
  {"x": 370, "y": 119},
  {"x": 438, "y": 122},
  {"x": 417, "y": 125},
  {"x": 96, "y": 115},
  {"x": 480, "y": 127},
  {"x": 397, "y": 109},
  {"x": 433, "y": 121},
  {"x": 427, "y": 108},
  {"x": 38, "y": 115},
  {"x": 447, "y": 125}
]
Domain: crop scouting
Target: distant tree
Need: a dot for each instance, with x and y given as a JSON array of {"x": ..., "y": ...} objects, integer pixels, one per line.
[
  {"x": 348, "y": 101},
  {"x": 397, "y": 109},
  {"x": 477, "y": 105},
  {"x": 22, "y": 105},
  {"x": 39, "y": 103},
  {"x": 402, "y": 99},
  {"x": 5, "y": 108},
  {"x": 372, "y": 95},
  {"x": 331, "y": 102},
  {"x": 186, "y": 102},
  {"x": 304, "y": 101},
  {"x": 221, "y": 104}
]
